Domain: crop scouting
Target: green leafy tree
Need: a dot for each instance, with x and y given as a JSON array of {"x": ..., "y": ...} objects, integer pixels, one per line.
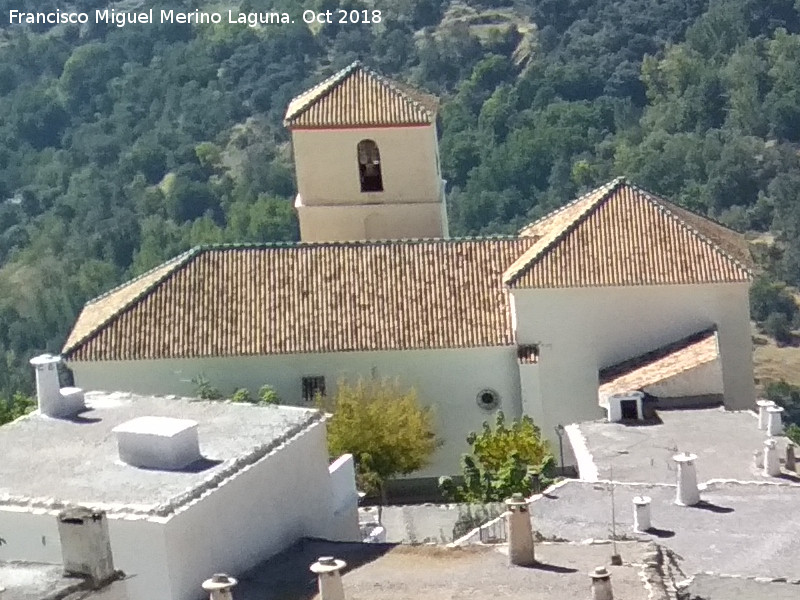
[
  {"x": 14, "y": 407},
  {"x": 505, "y": 459},
  {"x": 384, "y": 427}
]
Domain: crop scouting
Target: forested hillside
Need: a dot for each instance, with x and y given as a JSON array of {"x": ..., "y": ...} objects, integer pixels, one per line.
[{"x": 121, "y": 147}]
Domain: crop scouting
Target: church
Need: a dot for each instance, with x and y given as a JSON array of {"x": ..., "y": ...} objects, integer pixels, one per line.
[{"x": 618, "y": 300}]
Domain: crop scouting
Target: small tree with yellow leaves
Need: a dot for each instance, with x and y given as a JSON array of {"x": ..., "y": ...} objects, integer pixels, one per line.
[
  {"x": 384, "y": 427},
  {"x": 505, "y": 459}
]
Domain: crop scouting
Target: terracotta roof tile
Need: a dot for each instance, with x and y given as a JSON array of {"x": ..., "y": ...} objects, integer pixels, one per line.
[
  {"x": 620, "y": 235},
  {"x": 358, "y": 97},
  {"x": 304, "y": 298},
  {"x": 661, "y": 364}
]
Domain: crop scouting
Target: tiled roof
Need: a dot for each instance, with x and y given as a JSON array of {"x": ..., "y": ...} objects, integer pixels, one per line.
[
  {"x": 299, "y": 298},
  {"x": 358, "y": 97},
  {"x": 620, "y": 235},
  {"x": 661, "y": 364}
]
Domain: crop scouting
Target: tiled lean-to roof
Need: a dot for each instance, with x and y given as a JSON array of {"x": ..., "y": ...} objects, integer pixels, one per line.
[
  {"x": 660, "y": 364},
  {"x": 303, "y": 298},
  {"x": 358, "y": 97},
  {"x": 621, "y": 235}
]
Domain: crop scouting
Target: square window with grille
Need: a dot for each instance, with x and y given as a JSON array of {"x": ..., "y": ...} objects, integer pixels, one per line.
[{"x": 313, "y": 387}]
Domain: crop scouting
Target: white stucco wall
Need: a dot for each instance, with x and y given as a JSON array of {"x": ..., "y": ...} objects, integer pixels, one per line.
[
  {"x": 265, "y": 508},
  {"x": 703, "y": 380},
  {"x": 371, "y": 222},
  {"x": 448, "y": 380},
  {"x": 138, "y": 546},
  {"x": 260, "y": 511},
  {"x": 581, "y": 330},
  {"x": 326, "y": 163}
]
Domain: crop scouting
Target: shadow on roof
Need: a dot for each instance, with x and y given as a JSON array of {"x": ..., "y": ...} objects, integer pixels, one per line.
[{"x": 287, "y": 575}]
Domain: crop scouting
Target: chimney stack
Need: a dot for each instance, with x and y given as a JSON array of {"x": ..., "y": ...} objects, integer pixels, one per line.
[
  {"x": 688, "y": 494},
  {"x": 520, "y": 532},
  {"x": 219, "y": 587},
  {"x": 85, "y": 545},
  {"x": 601, "y": 584},
  {"x": 52, "y": 399},
  {"x": 790, "y": 457},
  {"x": 762, "y": 412},
  {"x": 774, "y": 420},
  {"x": 330, "y": 579},
  {"x": 772, "y": 464},
  {"x": 641, "y": 513}
]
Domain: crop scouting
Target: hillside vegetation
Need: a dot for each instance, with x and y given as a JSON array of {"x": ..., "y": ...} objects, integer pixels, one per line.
[{"x": 121, "y": 147}]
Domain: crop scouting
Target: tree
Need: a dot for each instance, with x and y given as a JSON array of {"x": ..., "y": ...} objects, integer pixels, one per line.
[
  {"x": 505, "y": 459},
  {"x": 14, "y": 407},
  {"x": 384, "y": 427}
]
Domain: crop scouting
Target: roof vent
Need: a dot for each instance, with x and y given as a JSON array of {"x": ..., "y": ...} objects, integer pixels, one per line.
[
  {"x": 158, "y": 443},
  {"x": 625, "y": 407}
]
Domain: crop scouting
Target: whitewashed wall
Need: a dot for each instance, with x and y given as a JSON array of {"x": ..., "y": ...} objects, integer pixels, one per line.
[
  {"x": 265, "y": 508},
  {"x": 703, "y": 380},
  {"x": 137, "y": 545},
  {"x": 581, "y": 330},
  {"x": 326, "y": 163},
  {"x": 448, "y": 380},
  {"x": 259, "y": 512}
]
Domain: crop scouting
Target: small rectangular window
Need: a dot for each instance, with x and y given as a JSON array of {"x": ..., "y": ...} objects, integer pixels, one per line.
[{"x": 313, "y": 387}]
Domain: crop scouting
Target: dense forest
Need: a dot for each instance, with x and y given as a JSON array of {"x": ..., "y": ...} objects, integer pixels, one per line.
[{"x": 123, "y": 146}]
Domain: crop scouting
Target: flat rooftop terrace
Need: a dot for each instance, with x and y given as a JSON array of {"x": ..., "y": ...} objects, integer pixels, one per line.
[
  {"x": 723, "y": 441},
  {"x": 745, "y": 529},
  {"x": 76, "y": 460},
  {"x": 386, "y": 572}
]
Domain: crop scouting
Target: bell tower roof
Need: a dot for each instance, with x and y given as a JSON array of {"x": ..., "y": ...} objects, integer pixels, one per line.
[{"x": 356, "y": 96}]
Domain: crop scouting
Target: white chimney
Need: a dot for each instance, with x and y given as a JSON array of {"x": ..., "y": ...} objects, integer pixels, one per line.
[
  {"x": 601, "y": 584},
  {"x": 219, "y": 587},
  {"x": 520, "y": 532},
  {"x": 158, "y": 442},
  {"x": 53, "y": 401},
  {"x": 85, "y": 545},
  {"x": 774, "y": 420},
  {"x": 688, "y": 494},
  {"x": 790, "y": 457},
  {"x": 330, "y": 579},
  {"x": 762, "y": 412},
  {"x": 772, "y": 463},
  {"x": 641, "y": 513}
]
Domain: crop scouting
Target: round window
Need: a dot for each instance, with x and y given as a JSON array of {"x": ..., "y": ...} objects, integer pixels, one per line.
[{"x": 488, "y": 399}]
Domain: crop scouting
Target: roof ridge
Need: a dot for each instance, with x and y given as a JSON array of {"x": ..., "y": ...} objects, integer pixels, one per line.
[
  {"x": 337, "y": 77},
  {"x": 179, "y": 261},
  {"x": 176, "y": 259},
  {"x": 327, "y": 86},
  {"x": 664, "y": 205},
  {"x": 573, "y": 202},
  {"x": 603, "y": 195},
  {"x": 354, "y": 243}
]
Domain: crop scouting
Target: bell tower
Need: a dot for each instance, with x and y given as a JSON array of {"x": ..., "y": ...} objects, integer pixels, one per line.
[{"x": 367, "y": 160}]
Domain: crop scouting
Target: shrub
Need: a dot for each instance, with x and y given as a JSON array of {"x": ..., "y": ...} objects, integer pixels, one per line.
[
  {"x": 268, "y": 396},
  {"x": 777, "y": 326},
  {"x": 242, "y": 395},
  {"x": 205, "y": 390}
]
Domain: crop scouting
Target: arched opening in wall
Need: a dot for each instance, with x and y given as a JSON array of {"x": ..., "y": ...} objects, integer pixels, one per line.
[{"x": 369, "y": 166}]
